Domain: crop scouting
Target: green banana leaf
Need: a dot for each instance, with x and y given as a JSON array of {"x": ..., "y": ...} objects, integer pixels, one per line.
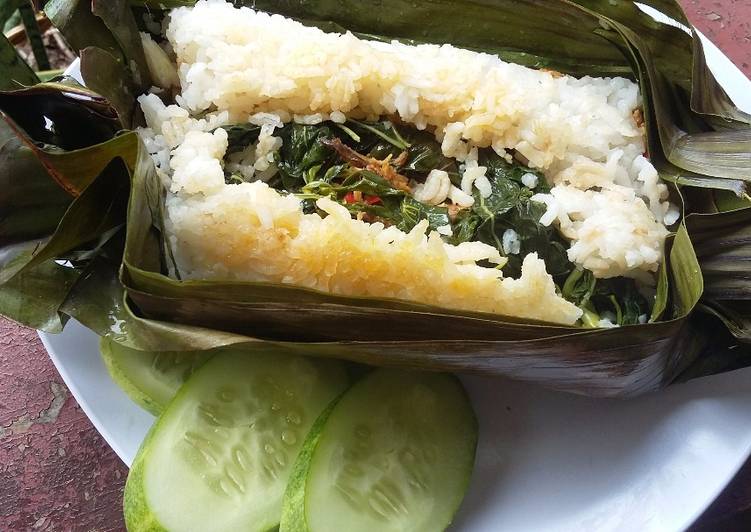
[
  {"x": 33, "y": 298},
  {"x": 16, "y": 73},
  {"x": 606, "y": 363},
  {"x": 697, "y": 139},
  {"x": 58, "y": 205},
  {"x": 105, "y": 35}
]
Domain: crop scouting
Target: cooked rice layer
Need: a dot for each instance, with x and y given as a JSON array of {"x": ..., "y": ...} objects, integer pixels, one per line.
[
  {"x": 601, "y": 224},
  {"x": 252, "y": 232},
  {"x": 244, "y": 62},
  {"x": 236, "y": 63}
]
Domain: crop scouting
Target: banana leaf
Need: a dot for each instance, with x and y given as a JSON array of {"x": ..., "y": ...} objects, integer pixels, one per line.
[
  {"x": 697, "y": 139},
  {"x": 16, "y": 73},
  {"x": 607, "y": 363},
  {"x": 105, "y": 35},
  {"x": 33, "y": 297},
  {"x": 61, "y": 198}
]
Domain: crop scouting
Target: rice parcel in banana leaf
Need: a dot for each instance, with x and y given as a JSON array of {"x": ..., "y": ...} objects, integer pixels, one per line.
[{"x": 430, "y": 174}]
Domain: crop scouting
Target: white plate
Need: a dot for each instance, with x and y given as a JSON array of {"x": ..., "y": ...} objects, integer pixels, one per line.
[{"x": 546, "y": 461}]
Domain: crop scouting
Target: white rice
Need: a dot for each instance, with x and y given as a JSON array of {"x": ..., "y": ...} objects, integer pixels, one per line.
[
  {"x": 435, "y": 190},
  {"x": 579, "y": 132},
  {"x": 612, "y": 231},
  {"x": 251, "y": 232},
  {"x": 510, "y": 242},
  {"x": 473, "y": 175},
  {"x": 237, "y": 65},
  {"x": 529, "y": 180},
  {"x": 445, "y": 230}
]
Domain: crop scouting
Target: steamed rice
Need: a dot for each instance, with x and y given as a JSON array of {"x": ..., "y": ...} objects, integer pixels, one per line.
[
  {"x": 237, "y": 65},
  {"x": 269, "y": 239}
]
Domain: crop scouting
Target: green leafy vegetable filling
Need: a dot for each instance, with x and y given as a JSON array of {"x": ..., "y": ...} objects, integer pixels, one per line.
[{"x": 365, "y": 166}]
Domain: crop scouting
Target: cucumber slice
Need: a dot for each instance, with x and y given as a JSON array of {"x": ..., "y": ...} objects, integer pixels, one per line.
[
  {"x": 219, "y": 457},
  {"x": 150, "y": 378},
  {"x": 395, "y": 453}
]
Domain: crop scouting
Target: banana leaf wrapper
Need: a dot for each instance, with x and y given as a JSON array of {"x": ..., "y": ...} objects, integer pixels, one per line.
[{"x": 80, "y": 188}]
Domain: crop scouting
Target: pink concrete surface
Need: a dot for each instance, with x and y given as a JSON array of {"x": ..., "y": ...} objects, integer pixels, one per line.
[
  {"x": 58, "y": 474},
  {"x": 727, "y": 23}
]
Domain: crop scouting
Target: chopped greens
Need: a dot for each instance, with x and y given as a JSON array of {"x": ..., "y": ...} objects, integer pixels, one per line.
[
  {"x": 370, "y": 167},
  {"x": 303, "y": 153},
  {"x": 615, "y": 299},
  {"x": 240, "y": 136},
  {"x": 412, "y": 212},
  {"x": 425, "y": 155},
  {"x": 385, "y": 130}
]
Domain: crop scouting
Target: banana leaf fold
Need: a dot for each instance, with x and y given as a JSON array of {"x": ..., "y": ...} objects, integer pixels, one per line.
[{"x": 81, "y": 207}]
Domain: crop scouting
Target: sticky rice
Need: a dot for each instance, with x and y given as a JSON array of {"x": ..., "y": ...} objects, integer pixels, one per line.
[{"x": 238, "y": 65}]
